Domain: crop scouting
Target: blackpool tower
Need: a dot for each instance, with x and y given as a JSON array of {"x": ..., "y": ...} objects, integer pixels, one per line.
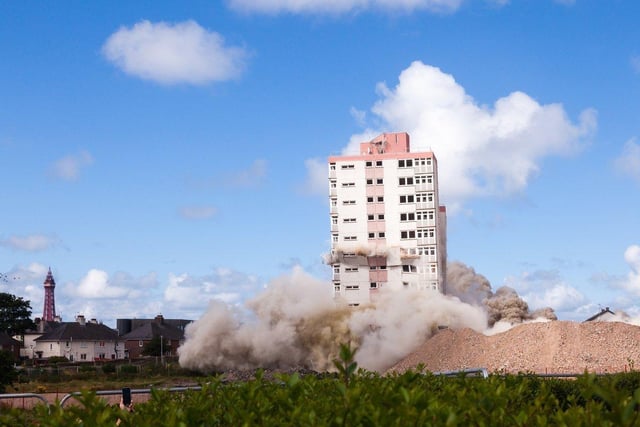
[{"x": 49, "y": 313}]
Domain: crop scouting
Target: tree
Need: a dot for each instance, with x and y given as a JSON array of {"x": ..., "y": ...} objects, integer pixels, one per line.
[
  {"x": 8, "y": 372},
  {"x": 15, "y": 314},
  {"x": 153, "y": 347}
]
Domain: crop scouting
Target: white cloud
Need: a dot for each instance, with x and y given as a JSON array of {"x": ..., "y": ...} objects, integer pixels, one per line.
[
  {"x": 317, "y": 177},
  {"x": 251, "y": 177},
  {"x": 631, "y": 283},
  {"x": 629, "y": 161},
  {"x": 174, "y": 53},
  {"x": 559, "y": 296},
  {"x": 68, "y": 168},
  {"x": 26, "y": 282},
  {"x": 342, "y": 6},
  {"x": 546, "y": 288},
  {"x": 96, "y": 284},
  {"x": 635, "y": 63},
  {"x": 481, "y": 151},
  {"x": 197, "y": 212},
  {"x": 192, "y": 294},
  {"x": 30, "y": 243},
  {"x": 358, "y": 115}
]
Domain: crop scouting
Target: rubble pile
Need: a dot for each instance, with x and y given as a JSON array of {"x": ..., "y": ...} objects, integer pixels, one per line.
[{"x": 545, "y": 347}]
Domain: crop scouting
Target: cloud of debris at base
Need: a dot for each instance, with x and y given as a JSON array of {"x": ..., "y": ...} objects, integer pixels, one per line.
[{"x": 296, "y": 322}]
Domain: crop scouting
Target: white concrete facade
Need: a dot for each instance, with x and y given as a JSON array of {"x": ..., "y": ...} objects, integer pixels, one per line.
[{"x": 387, "y": 227}]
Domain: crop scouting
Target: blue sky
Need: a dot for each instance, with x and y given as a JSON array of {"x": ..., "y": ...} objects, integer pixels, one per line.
[{"x": 158, "y": 154}]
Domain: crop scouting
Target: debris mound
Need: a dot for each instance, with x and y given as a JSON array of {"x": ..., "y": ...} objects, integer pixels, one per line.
[{"x": 544, "y": 347}]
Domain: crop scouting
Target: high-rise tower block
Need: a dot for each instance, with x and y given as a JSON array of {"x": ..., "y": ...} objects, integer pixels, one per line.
[{"x": 388, "y": 229}]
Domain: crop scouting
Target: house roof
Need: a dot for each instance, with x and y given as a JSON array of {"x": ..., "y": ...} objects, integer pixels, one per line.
[
  {"x": 6, "y": 341},
  {"x": 67, "y": 331},
  {"x": 155, "y": 329},
  {"x": 603, "y": 312}
]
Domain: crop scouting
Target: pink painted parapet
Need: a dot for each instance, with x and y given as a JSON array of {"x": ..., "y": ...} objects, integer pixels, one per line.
[{"x": 384, "y": 146}]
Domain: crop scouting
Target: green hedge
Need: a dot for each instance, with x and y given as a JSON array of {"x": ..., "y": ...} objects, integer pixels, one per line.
[{"x": 367, "y": 399}]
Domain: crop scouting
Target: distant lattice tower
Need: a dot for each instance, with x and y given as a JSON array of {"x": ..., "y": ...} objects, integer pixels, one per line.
[{"x": 49, "y": 312}]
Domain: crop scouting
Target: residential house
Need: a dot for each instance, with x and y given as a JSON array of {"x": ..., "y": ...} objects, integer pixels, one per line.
[
  {"x": 605, "y": 315},
  {"x": 80, "y": 341},
  {"x": 10, "y": 345},
  {"x": 171, "y": 337}
]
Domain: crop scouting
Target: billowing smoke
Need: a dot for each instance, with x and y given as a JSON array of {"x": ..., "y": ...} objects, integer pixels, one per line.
[
  {"x": 505, "y": 305},
  {"x": 296, "y": 322}
]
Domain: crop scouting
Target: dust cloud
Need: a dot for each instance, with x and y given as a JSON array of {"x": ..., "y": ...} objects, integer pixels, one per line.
[
  {"x": 504, "y": 305},
  {"x": 296, "y": 322}
]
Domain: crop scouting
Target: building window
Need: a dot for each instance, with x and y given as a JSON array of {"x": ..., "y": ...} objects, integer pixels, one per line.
[
  {"x": 334, "y": 220},
  {"x": 410, "y": 216},
  {"x": 349, "y": 166},
  {"x": 409, "y": 269},
  {"x": 381, "y": 217},
  {"x": 351, "y": 269},
  {"x": 379, "y": 181},
  {"x": 372, "y": 267},
  {"x": 350, "y": 238},
  {"x": 352, "y": 287},
  {"x": 426, "y": 233},
  {"x": 380, "y": 199},
  {"x": 332, "y": 166},
  {"x": 370, "y": 217},
  {"x": 370, "y": 182},
  {"x": 383, "y": 267},
  {"x": 425, "y": 215},
  {"x": 409, "y": 234},
  {"x": 334, "y": 237},
  {"x": 140, "y": 343},
  {"x": 372, "y": 235},
  {"x": 369, "y": 199},
  {"x": 406, "y": 181},
  {"x": 334, "y": 202},
  {"x": 336, "y": 269},
  {"x": 348, "y": 202},
  {"x": 336, "y": 288},
  {"x": 405, "y": 163},
  {"x": 373, "y": 285},
  {"x": 429, "y": 179},
  {"x": 349, "y": 220},
  {"x": 83, "y": 356},
  {"x": 348, "y": 184},
  {"x": 378, "y": 163},
  {"x": 407, "y": 199},
  {"x": 368, "y": 164},
  {"x": 333, "y": 184},
  {"x": 381, "y": 235}
]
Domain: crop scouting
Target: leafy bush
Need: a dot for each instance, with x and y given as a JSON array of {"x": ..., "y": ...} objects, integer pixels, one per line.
[
  {"x": 87, "y": 369},
  {"x": 109, "y": 368},
  {"x": 361, "y": 398},
  {"x": 128, "y": 369},
  {"x": 8, "y": 373}
]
